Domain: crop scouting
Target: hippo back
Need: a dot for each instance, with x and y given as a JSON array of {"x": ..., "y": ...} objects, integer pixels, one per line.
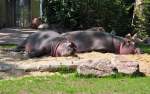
[
  {"x": 39, "y": 37},
  {"x": 90, "y": 40},
  {"x": 35, "y": 40}
]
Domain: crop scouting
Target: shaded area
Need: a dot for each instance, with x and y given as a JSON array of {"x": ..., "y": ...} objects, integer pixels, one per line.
[{"x": 14, "y": 36}]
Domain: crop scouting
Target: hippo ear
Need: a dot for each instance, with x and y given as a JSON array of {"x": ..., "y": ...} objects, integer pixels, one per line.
[
  {"x": 68, "y": 44},
  {"x": 73, "y": 46},
  {"x": 124, "y": 43}
]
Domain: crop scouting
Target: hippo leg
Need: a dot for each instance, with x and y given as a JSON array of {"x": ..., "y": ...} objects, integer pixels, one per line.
[
  {"x": 35, "y": 54},
  {"x": 20, "y": 47}
]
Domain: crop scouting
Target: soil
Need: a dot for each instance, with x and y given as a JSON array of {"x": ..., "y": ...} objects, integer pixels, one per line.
[{"x": 13, "y": 58}]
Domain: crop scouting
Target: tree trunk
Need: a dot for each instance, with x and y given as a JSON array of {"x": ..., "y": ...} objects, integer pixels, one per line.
[{"x": 138, "y": 9}]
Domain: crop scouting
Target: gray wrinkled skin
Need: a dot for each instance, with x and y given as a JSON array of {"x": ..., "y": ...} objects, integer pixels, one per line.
[
  {"x": 37, "y": 40},
  {"x": 99, "y": 41}
]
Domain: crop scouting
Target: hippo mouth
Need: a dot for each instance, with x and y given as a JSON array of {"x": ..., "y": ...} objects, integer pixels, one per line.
[
  {"x": 128, "y": 48},
  {"x": 125, "y": 47}
]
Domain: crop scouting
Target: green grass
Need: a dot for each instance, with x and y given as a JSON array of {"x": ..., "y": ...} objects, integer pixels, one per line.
[
  {"x": 7, "y": 45},
  {"x": 72, "y": 84}
]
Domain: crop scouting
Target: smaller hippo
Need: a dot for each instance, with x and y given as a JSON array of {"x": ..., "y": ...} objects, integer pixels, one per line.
[
  {"x": 55, "y": 47},
  {"x": 46, "y": 43}
]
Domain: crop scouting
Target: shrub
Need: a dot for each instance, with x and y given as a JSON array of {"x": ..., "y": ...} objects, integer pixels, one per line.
[{"x": 82, "y": 14}]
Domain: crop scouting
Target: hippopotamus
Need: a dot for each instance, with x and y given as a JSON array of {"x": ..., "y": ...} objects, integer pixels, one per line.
[
  {"x": 55, "y": 47},
  {"x": 100, "y": 41},
  {"x": 46, "y": 43}
]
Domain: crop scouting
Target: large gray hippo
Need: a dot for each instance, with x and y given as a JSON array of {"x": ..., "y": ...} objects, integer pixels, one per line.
[
  {"x": 46, "y": 43},
  {"x": 100, "y": 41},
  {"x": 53, "y": 44}
]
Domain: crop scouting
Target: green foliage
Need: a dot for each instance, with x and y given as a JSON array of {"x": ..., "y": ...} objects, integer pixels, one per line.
[{"x": 81, "y": 14}]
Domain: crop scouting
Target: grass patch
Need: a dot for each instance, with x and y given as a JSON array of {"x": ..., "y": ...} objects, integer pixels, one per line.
[
  {"x": 71, "y": 84},
  {"x": 65, "y": 70},
  {"x": 7, "y": 45},
  {"x": 115, "y": 76}
]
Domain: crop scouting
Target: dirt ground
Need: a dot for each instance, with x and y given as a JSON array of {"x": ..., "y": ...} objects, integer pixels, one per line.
[{"x": 11, "y": 58}]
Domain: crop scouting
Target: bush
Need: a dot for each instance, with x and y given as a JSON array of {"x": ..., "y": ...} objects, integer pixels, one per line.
[{"x": 82, "y": 14}]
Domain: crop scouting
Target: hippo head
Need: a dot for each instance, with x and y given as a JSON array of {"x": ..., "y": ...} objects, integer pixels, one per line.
[
  {"x": 66, "y": 48},
  {"x": 128, "y": 47}
]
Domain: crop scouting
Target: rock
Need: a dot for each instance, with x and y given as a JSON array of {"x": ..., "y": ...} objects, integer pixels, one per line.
[
  {"x": 36, "y": 22},
  {"x": 98, "y": 68},
  {"x": 4, "y": 67},
  {"x": 51, "y": 66},
  {"x": 123, "y": 65},
  {"x": 43, "y": 26}
]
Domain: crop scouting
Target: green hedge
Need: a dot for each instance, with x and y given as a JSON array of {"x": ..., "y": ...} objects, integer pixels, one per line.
[{"x": 82, "y": 14}]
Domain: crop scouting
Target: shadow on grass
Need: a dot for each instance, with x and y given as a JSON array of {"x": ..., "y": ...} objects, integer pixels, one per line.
[
  {"x": 116, "y": 75},
  {"x": 66, "y": 70}
]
